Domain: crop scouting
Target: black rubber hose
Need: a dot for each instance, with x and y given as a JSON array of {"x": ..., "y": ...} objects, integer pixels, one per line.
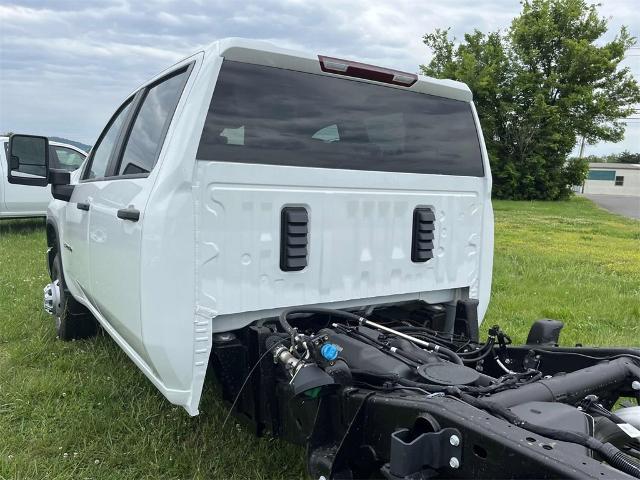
[
  {"x": 441, "y": 351},
  {"x": 437, "y": 349},
  {"x": 484, "y": 355},
  {"x": 453, "y": 356},
  {"x": 273, "y": 340},
  {"x": 619, "y": 460},
  {"x": 487, "y": 347},
  {"x": 404, "y": 345},
  {"x": 284, "y": 323}
]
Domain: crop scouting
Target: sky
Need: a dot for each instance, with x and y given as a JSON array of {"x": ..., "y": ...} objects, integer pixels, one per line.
[{"x": 66, "y": 65}]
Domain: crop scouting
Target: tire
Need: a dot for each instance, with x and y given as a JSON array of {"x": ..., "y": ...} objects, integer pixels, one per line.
[{"x": 72, "y": 319}]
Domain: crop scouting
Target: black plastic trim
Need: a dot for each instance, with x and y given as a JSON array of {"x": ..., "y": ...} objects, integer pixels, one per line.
[
  {"x": 294, "y": 238},
  {"x": 114, "y": 177},
  {"x": 130, "y": 214},
  {"x": 423, "y": 234},
  {"x": 58, "y": 176},
  {"x": 62, "y": 192}
]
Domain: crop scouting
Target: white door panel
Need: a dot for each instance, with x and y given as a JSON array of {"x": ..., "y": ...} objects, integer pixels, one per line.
[
  {"x": 115, "y": 257},
  {"x": 75, "y": 241}
]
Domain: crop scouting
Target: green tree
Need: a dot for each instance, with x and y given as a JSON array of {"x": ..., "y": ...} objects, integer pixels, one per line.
[{"x": 538, "y": 86}]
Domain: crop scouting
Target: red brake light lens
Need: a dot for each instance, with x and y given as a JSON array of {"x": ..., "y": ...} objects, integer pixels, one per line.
[{"x": 368, "y": 72}]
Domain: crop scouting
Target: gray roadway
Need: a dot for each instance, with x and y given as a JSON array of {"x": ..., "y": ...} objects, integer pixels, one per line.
[{"x": 629, "y": 206}]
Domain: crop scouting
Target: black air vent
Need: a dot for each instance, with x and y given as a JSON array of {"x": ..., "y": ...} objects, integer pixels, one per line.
[
  {"x": 423, "y": 227},
  {"x": 294, "y": 238}
]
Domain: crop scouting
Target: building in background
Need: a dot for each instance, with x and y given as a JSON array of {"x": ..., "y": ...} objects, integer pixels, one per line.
[{"x": 613, "y": 179}]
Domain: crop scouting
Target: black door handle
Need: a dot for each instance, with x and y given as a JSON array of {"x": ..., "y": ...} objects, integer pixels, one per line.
[
  {"x": 131, "y": 214},
  {"x": 83, "y": 206}
]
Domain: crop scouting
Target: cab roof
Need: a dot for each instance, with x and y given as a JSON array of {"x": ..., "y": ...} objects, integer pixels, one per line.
[{"x": 264, "y": 53}]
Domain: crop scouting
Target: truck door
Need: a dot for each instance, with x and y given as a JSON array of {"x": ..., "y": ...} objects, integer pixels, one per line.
[
  {"x": 118, "y": 205},
  {"x": 75, "y": 236}
]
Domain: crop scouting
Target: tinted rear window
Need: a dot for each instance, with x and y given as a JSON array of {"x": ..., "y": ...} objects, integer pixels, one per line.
[{"x": 274, "y": 116}]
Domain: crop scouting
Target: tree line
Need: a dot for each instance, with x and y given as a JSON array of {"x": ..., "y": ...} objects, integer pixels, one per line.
[
  {"x": 538, "y": 86},
  {"x": 623, "y": 157}
]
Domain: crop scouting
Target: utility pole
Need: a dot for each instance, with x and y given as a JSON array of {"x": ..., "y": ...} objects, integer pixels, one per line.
[{"x": 580, "y": 156}]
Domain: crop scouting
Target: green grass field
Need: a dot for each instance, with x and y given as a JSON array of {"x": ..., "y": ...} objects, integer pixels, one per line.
[{"x": 82, "y": 410}]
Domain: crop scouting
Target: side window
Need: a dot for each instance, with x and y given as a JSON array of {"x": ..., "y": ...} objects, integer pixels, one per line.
[
  {"x": 68, "y": 159},
  {"x": 99, "y": 160},
  {"x": 151, "y": 125}
]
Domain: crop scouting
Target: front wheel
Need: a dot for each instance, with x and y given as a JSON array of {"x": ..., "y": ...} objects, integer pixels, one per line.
[{"x": 73, "y": 320}]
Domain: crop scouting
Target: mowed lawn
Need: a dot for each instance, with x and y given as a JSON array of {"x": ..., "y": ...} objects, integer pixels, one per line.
[{"x": 82, "y": 410}]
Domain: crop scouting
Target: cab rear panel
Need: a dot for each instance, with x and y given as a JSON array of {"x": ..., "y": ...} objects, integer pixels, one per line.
[{"x": 357, "y": 160}]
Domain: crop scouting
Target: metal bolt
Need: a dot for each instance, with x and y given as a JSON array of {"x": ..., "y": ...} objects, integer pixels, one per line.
[
  {"x": 635, "y": 385},
  {"x": 454, "y": 462},
  {"x": 454, "y": 440}
]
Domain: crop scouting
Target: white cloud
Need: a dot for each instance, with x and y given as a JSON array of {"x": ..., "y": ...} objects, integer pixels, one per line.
[{"x": 64, "y": 69}]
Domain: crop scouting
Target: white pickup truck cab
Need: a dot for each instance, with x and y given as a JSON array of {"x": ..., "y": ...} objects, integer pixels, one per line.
[
  {"x": 317, "y": 233},
  {"x": 22, "y": 201},
  {"x": 176, "y": 226}
]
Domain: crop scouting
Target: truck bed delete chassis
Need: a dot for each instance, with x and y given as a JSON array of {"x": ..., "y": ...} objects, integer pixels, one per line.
[{"x": 386, "y": 430}]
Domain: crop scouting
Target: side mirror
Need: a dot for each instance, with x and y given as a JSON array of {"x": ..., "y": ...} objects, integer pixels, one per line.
[
  {"x": 28, "y": 160},
  {"x": 60, "y": 188}
]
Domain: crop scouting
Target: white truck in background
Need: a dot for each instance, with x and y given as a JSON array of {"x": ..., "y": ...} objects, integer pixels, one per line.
[{"x": 24, "y": 201}]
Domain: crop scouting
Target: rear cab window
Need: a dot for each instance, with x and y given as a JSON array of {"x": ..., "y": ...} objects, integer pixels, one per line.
[{"x": 274, "y": 116}]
